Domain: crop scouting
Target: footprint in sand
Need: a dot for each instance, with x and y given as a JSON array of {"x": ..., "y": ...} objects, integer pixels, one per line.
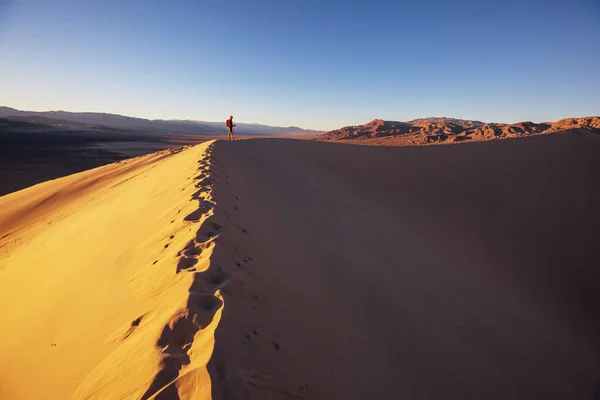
[
  {"x": 201, "y": 195},
  {"x": 191, "y": 249},
  {"x": 196, "y": 215},
  {"x": 176, "y": 339},
  {"x": 203, "y": 181},
  {"x": 186, "y": 263},
  {"x": 208, "y": 230},
  {"x": 127, "y": 330},
  {"x": 210, "y": 281},
  {"x": 134, "y": 324}
]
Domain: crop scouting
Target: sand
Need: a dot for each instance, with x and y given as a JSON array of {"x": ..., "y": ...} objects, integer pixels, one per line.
[
  {"x": 91, "y": 302},
  {"x": 286, "y": 269},
  {"x": 450, "y": 272}
]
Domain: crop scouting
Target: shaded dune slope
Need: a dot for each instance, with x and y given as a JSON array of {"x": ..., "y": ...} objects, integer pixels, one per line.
[{"x": 455, "y": 272}]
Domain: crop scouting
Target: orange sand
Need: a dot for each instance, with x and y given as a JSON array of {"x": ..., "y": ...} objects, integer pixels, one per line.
[{"x": 91, "y": 304}]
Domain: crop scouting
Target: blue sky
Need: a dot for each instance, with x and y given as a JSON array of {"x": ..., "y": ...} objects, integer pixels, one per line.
[{"x": 314, "y": 64}]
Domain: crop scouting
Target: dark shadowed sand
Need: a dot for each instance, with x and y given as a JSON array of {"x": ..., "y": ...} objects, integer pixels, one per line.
[{"x": 453, "y": 272}]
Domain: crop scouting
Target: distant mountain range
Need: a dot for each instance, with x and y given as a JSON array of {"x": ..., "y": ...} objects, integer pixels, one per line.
[
  {"x": 429, "y": 130},
  {"x": 103, "y": 121}
]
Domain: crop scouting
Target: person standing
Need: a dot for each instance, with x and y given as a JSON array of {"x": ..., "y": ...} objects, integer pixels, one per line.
[{"x": 230, "y": 125}]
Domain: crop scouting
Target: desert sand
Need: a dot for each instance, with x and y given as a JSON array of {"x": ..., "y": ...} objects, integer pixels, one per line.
[
  {"x": 93, "y": 301},
  {"x": 290, "y": 269}
]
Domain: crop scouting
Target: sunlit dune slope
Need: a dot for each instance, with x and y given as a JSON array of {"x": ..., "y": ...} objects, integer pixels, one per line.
[{"x": 106, "y": 290}]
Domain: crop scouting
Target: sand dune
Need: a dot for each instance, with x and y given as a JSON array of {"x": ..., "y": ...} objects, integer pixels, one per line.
[
  {"x": 448, "y": 272},
  {"x": 106, "y": 291},
  {"x": 288, "y": 269}
]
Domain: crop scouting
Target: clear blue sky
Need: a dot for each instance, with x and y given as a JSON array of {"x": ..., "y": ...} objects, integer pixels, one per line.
[{"x": 315, "y": 64}]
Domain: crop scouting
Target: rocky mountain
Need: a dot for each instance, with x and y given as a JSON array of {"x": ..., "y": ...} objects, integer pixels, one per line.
[{"x": 428, "y": 130}]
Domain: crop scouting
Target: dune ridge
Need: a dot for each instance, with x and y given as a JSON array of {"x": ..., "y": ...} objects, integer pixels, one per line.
[{"x": 107, "y": 290}]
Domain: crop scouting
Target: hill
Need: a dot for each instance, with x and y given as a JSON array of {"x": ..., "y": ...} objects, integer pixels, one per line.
[
  {"x": 147, "y": 126},
  {"x": 429, "y": 130}
]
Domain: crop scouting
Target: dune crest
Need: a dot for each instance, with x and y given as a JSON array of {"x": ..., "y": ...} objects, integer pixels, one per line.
[{"x": 107, "y": 290}]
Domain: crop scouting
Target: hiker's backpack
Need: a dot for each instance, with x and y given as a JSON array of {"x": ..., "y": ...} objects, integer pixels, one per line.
[{"x": 228, "y": 123}]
